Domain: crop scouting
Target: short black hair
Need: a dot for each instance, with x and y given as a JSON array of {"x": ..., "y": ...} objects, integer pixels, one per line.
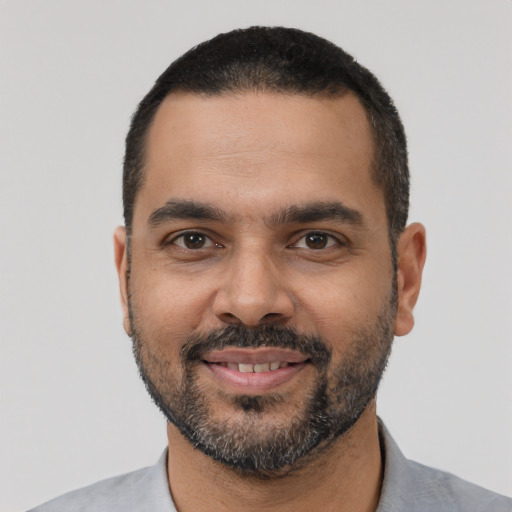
[{"x": 282, "y": 60}]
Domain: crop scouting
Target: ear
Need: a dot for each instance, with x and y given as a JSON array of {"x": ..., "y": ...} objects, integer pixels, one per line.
[
  {"x": 412, "y": 250},
  {"x": 121, "y": 259}
]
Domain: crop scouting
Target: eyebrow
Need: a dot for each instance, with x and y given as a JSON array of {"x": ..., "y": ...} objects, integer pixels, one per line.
[
  {"x": 175, "y": 209},
  {"x": 179, "y": 209},
  {"x": 317, "y": 212}
]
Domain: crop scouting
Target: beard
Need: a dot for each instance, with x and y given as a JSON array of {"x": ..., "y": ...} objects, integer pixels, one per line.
[{"x": 252, "y": 441}]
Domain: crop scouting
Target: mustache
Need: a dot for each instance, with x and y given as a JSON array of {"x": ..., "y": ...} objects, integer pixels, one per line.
[{"x": 241, "y": 336}]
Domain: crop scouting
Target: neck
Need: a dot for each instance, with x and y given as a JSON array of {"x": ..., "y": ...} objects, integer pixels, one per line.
[{"x": 345, "y": 476}]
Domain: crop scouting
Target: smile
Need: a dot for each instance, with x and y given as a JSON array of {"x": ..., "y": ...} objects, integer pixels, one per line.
[
  {"x": 254, "y": 368},
  {"x": 254, "y": 371}
]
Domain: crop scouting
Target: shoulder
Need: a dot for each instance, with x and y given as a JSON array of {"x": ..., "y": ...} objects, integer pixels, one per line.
[
  {"x": 451, "y": 493},
  {"x": 412, "y": 487},
  {"x": 145, "y": 490}
]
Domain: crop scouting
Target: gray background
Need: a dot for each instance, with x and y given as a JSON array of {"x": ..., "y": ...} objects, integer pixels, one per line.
[{"x": 72, "y": 408}]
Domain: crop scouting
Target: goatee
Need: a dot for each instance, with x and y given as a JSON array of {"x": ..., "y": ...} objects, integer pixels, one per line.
[{"x": 252, "y": 445}]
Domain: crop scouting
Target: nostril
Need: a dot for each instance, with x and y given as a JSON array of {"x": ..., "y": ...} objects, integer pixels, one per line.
[
  {"x": 229, "y": 318},
  {"x": 271, "y": 317},
  {"x": 251, "y": 308}
]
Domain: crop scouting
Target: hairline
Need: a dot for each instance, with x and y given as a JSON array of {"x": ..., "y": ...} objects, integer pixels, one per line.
[{"x": 332, "y": 94}]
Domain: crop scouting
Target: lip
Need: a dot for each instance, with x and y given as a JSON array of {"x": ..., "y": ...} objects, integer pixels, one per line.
[
  {"x": 254, "y": 383},
  {"x": 254, "y": 356}
]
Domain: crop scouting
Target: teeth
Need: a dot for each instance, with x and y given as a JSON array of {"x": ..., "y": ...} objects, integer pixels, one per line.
[
  {"x": 255, "y": 368},
  {"x": 262, "y": 367}
]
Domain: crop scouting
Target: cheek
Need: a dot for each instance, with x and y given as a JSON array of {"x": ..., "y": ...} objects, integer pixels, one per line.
[
  {"x": 344, "y": 302},
  {"x": 166, "y": 307}
]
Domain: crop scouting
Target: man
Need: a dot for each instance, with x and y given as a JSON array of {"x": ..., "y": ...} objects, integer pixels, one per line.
[{"x": 265, "y": 267}]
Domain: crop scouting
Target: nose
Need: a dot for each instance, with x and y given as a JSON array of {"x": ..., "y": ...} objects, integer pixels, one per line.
[{"x": 253, "y": 292}]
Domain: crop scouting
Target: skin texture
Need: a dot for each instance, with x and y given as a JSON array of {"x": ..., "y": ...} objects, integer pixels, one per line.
[{"x": 254, "y": 156}]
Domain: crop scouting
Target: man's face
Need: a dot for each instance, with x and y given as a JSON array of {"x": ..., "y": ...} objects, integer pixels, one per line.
[{"x": 261, "y": 293}]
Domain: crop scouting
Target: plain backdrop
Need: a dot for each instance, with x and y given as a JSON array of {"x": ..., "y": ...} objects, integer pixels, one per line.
[{"x": 73, "y": 410}]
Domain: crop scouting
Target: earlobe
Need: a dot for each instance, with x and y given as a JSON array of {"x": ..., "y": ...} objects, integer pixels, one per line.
[
  {"x": 121, "y": 261},
  {"x": 412, "y": 252}
]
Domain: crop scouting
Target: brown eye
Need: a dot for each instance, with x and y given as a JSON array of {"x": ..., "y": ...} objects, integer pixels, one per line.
[
  {"x": 193, "y": 240},
  {"x": 316, "y": 240}
]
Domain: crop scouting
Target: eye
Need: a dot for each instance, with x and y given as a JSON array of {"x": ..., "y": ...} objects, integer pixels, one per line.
[
  {"x": 316, "y": 240},
  {"x": 194, "y": 240}
]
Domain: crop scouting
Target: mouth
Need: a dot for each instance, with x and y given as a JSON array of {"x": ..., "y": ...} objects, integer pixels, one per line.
[
  {"x": 254, "y": 371},
  {"x": 254, "y": 368}
]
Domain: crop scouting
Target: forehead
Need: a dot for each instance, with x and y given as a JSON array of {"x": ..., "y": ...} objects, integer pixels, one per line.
[{"x": 258, "y": 150}]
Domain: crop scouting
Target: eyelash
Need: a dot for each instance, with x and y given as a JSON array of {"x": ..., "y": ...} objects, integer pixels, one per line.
[
  {"x": 331, "y": 241},
  {"x": 182, "y": 237}
]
